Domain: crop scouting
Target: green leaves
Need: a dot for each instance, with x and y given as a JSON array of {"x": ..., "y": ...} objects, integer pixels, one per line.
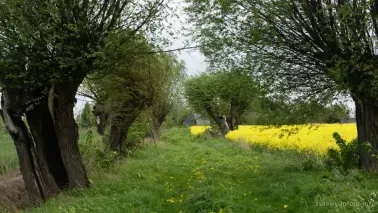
[
  {"x": 129, "y": 79},
  {"x": 314, "y": 48},
  {"x": 219, "y": 89},
  {"x": 86, "y": 118}
]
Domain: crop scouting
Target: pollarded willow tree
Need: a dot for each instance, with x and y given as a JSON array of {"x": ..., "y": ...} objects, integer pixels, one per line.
[
  {"x": 223, "y": 96},
  {"x": 316, "y": 47},
  {"x": 140, "y": 80},
  {"x": 46, "y": 50}
]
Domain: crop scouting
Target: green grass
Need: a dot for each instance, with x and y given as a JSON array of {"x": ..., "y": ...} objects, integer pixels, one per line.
[
  {"x": 190, "y": 174},
  {"x": 8, "y": 155}
]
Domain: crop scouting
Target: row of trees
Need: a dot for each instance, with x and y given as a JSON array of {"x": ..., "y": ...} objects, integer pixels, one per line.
[
  {"x": 47, "y": 49},
  {"x": 311, "y": 49},
  {"x": 144, "y": 82}
]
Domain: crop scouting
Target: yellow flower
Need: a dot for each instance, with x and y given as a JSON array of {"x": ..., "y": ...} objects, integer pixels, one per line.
[
  {"x": 286, "y": 206},
  {"x": 171, "y": 200},
  {"x": 198, "y": 130},
  {"x": 316, "y": 138}
]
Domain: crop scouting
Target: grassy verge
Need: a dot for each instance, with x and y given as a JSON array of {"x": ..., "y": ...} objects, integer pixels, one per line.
[
  {"x": 185, "y": 173},
  {"x": 8, "y": 155}
]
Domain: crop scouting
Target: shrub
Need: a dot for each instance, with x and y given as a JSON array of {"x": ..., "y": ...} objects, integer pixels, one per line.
[
  {"x": 106, "y": 160},
  {"x": 347, "y": 157},
  {"x": 93, "y": 156},
  {"x": 136, "y": 134}
]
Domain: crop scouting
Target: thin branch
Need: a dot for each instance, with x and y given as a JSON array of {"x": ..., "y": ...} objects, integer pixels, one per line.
[{"x": 169, "y": 50}]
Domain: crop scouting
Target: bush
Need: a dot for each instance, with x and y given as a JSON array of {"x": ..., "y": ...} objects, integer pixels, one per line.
[
  {"x": 93, "y": 156},
  {"x": 211, "y": 133},
  {"x": 136, "y": 134},
  {"x": 105, "y": 160},
  {"x": 347, "y": 157}
]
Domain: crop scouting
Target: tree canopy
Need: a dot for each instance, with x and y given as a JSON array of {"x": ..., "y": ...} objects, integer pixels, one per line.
[
  {"x": 128, "y": 83},
  {"x": 223, "y": 96}
]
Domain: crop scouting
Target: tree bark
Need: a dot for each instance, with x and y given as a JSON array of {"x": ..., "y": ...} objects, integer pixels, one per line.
[
  {"x": 219, "y": 120},
  {"x": 231, "y": 118},
  {"x": 118, "y": 132},
  {"x": 101, "y": 118},
  {"x": 64, "y": 100},
  {"x": 17, "y": 129},
  {"x": 367, "y": 129},
  {"x": 47, "y": 148},
  {"x": 158, "y": 117}
]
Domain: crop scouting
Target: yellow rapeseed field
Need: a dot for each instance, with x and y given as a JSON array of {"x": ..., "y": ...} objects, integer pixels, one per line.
[
  {"x": 303, "y": 138},
  {"x": 198, "y": 130}
]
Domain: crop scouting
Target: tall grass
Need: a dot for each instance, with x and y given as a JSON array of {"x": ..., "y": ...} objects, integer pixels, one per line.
[{"x": 8, "y": 155}]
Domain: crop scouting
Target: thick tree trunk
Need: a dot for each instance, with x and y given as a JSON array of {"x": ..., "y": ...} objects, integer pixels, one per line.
[
  {"x": 101, "y": 118},
  {"x": 20, "y": 135},
  {"x": 47, "y": 148},
  {"x": 157, "y": 120},
  {"x": 67, "y": 132},
  {"x": 118, "y": 133},
  {"x": 117, "y": 139},
  {"x": 230, "y": 122},
  {"x": 237, "y": 121},
  {"x": 231, "y": 119},
  {"x": 236, "y": 111},
  {"x": 367, "y": 128},
  {"x": 219, "y": 120}
]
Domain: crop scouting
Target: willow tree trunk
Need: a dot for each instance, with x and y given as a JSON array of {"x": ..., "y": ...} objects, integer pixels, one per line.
[
  {"x": 42, "y": 128},
  {"x": 367, "y": 129},
  {"x": 118, "y": 133},
  {"x": 12, "y": 117},
  {"x": 23, "y": 143},
  {"x": 231, "y": 119},
  {"x": 61, "y": 104},
  {"x": 219, "y": 120},
  {"x": 101, "y": 117},
  {"x": 157, "y": 120}
]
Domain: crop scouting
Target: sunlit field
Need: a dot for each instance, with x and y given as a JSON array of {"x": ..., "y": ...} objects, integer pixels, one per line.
[
  {"x": 316, "y": 138},
  {"x": 198, "y": 130}
]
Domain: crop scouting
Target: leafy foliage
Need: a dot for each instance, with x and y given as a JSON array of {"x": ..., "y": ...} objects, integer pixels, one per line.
[
  {"x": 93, "y": 156},
  {"x": 280, "y": 111},
  {"x": 129, "y": 83},
  {"x": 86, "y": 118},
  {"x": 137, "y": 81},
  {"x": 317, "y": 49},
  {"x": 222, "y": 93},
  {"x": 347, "y": 157}
]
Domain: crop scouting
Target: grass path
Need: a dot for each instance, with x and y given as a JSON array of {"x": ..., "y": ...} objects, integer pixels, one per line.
[{"x": 189, "y": 174}]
